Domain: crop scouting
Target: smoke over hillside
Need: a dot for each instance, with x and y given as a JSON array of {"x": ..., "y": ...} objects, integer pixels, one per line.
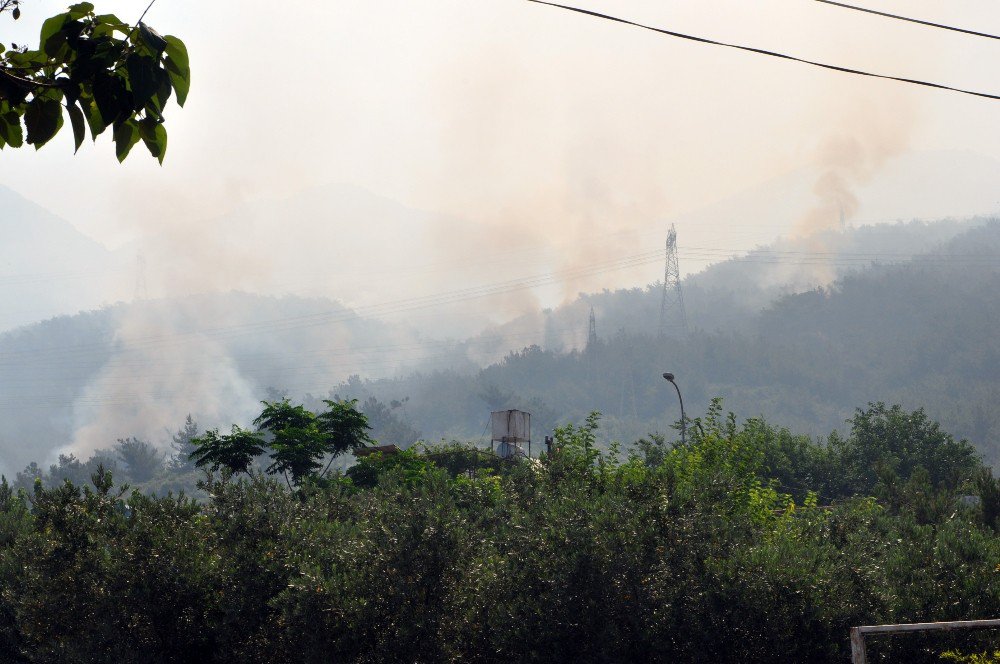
[
  {"x": 420, "y": 290},
  {"x": 76, "y": 384}
]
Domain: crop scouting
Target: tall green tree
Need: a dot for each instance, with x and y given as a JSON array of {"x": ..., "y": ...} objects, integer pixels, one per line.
[
  {"x": 301, "y": 440},
  {"x": 234, "y": 451},
  {"x": 297, "y": 444},
  {"x": 182, "y": 446},
  {"x": 345, "y": 427},
  {"x": 142, "y": 460}
]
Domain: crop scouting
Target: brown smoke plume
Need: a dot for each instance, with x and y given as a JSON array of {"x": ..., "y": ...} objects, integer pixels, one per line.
[{"x": 847, "y": 160}]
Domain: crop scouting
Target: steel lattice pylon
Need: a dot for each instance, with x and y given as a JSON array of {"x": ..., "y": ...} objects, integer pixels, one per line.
[
  {"x": 673, "y": 319},
  {"x": 592, "y": 332}
]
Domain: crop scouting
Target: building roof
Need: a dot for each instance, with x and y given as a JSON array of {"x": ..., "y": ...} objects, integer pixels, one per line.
[{"x": 385, "y": 450}]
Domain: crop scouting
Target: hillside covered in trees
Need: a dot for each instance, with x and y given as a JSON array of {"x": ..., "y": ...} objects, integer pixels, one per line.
[
  {"x": 913, "y": 327},
  {"x": 918, "y": 332}
]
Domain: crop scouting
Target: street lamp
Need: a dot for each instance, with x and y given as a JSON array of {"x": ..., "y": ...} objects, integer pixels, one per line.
[{"x": 670, "y": 378}]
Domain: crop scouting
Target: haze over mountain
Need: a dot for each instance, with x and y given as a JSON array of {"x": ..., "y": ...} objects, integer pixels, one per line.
[
  {"x": 47, "y": 267},
  {"x": 77, "y": 383},
  {"x": 929, "y": 185},
  {"x": 301, "y": 293},
  {"x": 369, "y": 251},
  {"x": 918, "y": 332}
]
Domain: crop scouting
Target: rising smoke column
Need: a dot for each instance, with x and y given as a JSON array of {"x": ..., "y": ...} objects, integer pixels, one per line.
[
  {"x": 159, "y": 374},
  {"x": 849, "y": 158}
]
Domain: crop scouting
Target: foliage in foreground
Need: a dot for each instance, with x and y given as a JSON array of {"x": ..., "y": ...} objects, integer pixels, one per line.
[
  {"x": 720, "y": 550},
  {"x": 103, "y": 71}
]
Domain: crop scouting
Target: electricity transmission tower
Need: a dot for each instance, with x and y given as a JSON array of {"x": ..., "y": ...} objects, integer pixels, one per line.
[
  {"x": 592, "y": 332},
  {"x": 673, "y": 320}
]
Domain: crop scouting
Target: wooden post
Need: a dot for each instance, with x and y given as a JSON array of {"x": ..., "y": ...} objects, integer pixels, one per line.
[{"x": 858, "y": 654}]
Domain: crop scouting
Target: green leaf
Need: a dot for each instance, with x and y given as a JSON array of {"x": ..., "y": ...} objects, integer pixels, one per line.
[
  {"x": 105, "y": 25},
  {"x": 93, "y": 117},
  {"x": 69, "y": 88},
  {"x": 80, "y": 9},
  {"x": 126, "y": 136},
  {"x": 154, "y": 135},
  {"x": 108, "y": 92},
  {"x": 13, "y": 89},
  {"x": 109, "y": 19},
  {"x": 51, "y": 31},
  {"x": 142, "y": 79},
  {"x": 79, "y": 129},
  {"x": 43, "y": 118},
  {"x": 180, "y": 82},
  {"x": 10, "y": 127},
  {"x": 177, "y": 52},
  {"x": 163, "y": 92},
  {"x": 27, "y": 59},
  {"x": 178, "y": 67},
  {"x": 152, "y": 38}
]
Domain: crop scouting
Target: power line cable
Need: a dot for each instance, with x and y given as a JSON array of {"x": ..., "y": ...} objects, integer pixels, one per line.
[
  {"x": 444, "y": 354},
  {"x": 344, "y": 315},
  {"x": 761, "y": 51},
  {"x": 908, "y": 19},
  {"x": 61, "y": 354},
  {"x": 70, "y": 356}
]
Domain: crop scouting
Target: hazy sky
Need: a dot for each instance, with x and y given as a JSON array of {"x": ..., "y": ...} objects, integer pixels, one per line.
[{"x": 527, "y": 122}]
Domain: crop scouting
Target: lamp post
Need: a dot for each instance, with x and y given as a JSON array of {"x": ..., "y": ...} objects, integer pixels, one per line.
[{"x": 670, "y": 378}]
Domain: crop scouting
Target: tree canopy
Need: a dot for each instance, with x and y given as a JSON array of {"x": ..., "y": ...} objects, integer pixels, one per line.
[
  {"x": 98, "y": 71},
  {"x": 747, "y": 544},
  {"x": 298, "y": 439}
]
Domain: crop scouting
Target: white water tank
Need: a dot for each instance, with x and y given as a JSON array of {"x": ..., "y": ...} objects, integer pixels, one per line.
[{"x": 511, "y": 428}]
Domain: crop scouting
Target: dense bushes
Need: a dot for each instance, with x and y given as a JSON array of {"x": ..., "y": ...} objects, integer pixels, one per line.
[{"x": 746, "y": 545}]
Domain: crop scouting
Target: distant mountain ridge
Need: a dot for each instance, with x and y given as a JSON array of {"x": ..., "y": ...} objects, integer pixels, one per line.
[
  {"x": 730, "y": 294},
  {"x": 47, "y": 266},
  {"x": 919, "y": 332},
  {"x": 79, "y": 382},
  {"x": 917, "y": 185}
]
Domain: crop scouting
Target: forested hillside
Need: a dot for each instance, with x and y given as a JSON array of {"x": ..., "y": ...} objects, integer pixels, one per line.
[
  {"x": 911, "y": 328},
  {"x": 138, "y": 369},
  {"x": 918, "y": 332}
]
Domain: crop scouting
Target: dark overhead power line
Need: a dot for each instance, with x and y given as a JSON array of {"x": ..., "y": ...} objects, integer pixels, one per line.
[
  {"x": 908, "y": 19},
  {"x": 343, "y": 315},
  {"x": 761, "y": 51}
]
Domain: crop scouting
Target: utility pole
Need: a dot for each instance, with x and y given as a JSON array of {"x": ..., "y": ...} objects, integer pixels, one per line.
[
  {"x": 669, "y": 377},
  {"x": 673, "y": 319}
]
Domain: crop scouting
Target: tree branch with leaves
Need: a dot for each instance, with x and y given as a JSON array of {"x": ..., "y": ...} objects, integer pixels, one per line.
[{"x": 100, "y": 72}]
